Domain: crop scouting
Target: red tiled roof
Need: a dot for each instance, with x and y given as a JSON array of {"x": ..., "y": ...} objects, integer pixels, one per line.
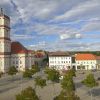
[
  {"x": 85, "y": 57},
  {"x": 30, "y": 51},
  {"x": 18, "y": 48},
  {"x": 38, "y": 55}
]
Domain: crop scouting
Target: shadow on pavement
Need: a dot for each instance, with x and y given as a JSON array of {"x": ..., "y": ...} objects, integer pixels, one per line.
[
  {"x": 7, "y": 89},
  {"x": 96, "y": 92},
  {"x": 78, "y": 85}
]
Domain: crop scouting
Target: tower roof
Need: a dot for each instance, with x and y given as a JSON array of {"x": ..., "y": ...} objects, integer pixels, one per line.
[
  {"x": 2, "y": 14},
  {"x": 1, "y": 11}
]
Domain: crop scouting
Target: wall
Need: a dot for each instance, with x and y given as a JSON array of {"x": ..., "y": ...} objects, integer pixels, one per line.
[
  {"x": 61, "y": 62},
  {"x": 88, "y": 64}
]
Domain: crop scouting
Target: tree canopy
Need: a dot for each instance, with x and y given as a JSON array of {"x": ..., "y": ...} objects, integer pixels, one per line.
[
  {"x": 67, "y": 83},
  {"x": 27, "y": 73},
  {"x": 40, "y": 82},
  {"x": 71, "y": 73},
  {"x": 68, "y": 87},
  {"x": 12, "y": 70},
  {"x": 90, "y": 81},
  {"x": 27, "y": 94},
  {"x": 35, "y": 69},
  {"x": 66, "y": 96},
  {"x": 52, "y": 75}
]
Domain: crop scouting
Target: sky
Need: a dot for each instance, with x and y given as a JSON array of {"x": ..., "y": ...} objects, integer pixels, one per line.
[{"x": 55, "y": 25}]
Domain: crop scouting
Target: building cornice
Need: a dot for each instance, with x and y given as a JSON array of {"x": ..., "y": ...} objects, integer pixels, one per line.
[
  {"x": 5, "y": 53},
  {"x": 5, "y": 16},
  {"x": 5, "y": 26},
  {"x": 4, "y": 38}
]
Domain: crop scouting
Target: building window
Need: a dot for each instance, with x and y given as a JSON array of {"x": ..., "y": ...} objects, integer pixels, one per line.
[
  {"x": 78, "y": 67},
  {"x": 16, "y": 66},
  {"x": 16, "y": 62},
  {"x": 13, "y": 62}
]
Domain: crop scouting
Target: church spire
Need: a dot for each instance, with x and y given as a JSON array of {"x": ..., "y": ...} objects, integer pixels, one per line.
[{"x": 1, "y": 11}]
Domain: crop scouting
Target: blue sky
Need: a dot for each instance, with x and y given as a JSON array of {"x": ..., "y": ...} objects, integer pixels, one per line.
[{"x": 55, "y": 24}]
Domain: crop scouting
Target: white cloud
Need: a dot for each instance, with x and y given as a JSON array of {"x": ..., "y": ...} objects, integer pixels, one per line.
[
  {"x": 78, "y": 35},
  {"x": 15, "y": 37},
  {"x": 4, "y": 1},
  {"x": 70, "y": 36},
  {"x": 91, "y": 26},
  {"x": 36, "y": 18},
  {"x": 40, "y": 45},
  {"x": 83, "y": 10},
  {"x": 67, "y": 46}
]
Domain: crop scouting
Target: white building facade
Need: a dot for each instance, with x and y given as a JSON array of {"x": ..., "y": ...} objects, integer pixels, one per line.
[
  {"x": 12, "y": 53},
  {"x": 63, "y": 61},
  {"x": 60, "y": 61},
  {"x": 87, "y": 62}
]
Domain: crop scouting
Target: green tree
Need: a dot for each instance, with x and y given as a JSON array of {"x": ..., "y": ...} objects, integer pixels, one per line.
[
  {"x": 90, "y": 82},
  {"x": 71, "y": 73},
  {"x": 66, "y": 96},
  {"x": 46, "y": 60},
  {"x": 27, "y": 94},
  {"x": 35, "y": 69},
  {"x": 67, "y": 83},
  {"x": 27, "y": 73},
  {"x": 40, "y": 82},
  {"x": 68, "y": 86},
  {"x": 12, "y": 70},
  {"x": 52, "y": 75},
  {"x": 46, "y": 70}
]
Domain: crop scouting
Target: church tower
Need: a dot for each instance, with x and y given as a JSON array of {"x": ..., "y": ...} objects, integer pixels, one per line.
[{"x": 5, "y": 42}]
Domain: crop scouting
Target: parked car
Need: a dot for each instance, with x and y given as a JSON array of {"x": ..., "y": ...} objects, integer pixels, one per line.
[{"x": 61, "y": 77}]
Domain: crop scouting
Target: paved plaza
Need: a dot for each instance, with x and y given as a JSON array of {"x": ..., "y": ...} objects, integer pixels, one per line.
[{"x": 10, "y": 86}]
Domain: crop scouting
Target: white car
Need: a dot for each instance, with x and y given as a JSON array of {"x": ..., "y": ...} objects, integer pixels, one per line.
[{"x": 61, "y": 77}]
